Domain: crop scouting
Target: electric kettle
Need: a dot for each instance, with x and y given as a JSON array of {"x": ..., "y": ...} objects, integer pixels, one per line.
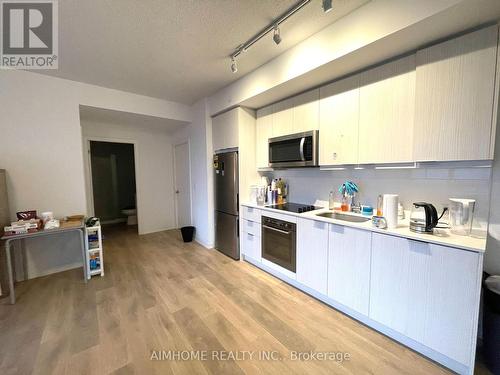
[{"x": 424, "y": 217}]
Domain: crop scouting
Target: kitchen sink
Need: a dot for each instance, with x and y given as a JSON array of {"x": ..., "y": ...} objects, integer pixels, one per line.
[{"x": 345, "y": 217}]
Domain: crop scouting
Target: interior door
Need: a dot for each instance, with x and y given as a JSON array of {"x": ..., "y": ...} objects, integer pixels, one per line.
[
  {"x": 105, "y": 187},
  {"x": 182, "y": 185}
]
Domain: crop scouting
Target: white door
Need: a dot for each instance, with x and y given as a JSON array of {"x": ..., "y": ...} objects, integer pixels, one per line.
[{"x": 182, "y": 184}]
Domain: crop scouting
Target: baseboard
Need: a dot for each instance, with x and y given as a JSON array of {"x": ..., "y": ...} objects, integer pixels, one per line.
[
  {"x": 114, "y": 221},
  {"x": 50, "y": 271},
  {"x": 155, "y": 230},
  {"x": 204, "y": 244}
]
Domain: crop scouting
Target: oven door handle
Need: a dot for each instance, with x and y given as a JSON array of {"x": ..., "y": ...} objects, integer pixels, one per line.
[
  {"x": 302, "y": 141},
  {"x": 276, "y": 230}
]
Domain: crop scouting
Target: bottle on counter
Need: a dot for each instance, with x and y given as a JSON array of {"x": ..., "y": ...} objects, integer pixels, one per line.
[
  {"x": 331, "y": 200},
  {"x": 380, "y": 204}
]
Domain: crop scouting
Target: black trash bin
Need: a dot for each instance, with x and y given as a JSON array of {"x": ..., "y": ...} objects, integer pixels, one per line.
[
  {"x": 491, "y": 324},
  {"x": 187, "y": 233}
]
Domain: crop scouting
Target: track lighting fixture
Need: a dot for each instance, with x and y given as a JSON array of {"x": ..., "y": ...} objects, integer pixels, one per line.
[
  {"x": 327, "y": 5},
  {"x": 277, "y": 36},
  {"x": 273, "y": 26},
  {"x": 234, "y": 67}
]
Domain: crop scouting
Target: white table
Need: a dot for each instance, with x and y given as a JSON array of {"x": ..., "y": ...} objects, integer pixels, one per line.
[{"x": 49, "y": 232}]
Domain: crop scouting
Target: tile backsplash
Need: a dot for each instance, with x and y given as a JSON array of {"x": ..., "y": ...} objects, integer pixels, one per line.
[{"x": 429, "y": 184}]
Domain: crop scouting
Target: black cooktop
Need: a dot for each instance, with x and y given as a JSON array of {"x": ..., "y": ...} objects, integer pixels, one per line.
[{"x": 295, "y": 207}]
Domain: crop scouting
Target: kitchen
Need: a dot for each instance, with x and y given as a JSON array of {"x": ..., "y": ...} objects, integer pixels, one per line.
[
  {"x": 377, "y": 248},
  {"x": 315, "y": 188}
]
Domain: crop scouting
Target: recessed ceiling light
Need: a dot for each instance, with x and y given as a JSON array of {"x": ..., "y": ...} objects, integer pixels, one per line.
[{"x": 327, "y": 5}]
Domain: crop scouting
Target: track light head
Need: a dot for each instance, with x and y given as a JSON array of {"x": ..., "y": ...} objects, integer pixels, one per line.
[
  {"x": 277, "y": 36},
  {"x": 327, "y": 5},
  {"x": 234, "y": 67}
]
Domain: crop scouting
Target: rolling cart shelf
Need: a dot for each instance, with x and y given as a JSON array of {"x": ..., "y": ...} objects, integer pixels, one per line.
[{"x": 93, "y": 254}]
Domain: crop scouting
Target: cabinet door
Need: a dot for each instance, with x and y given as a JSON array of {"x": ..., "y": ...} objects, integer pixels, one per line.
[
  {"x": 306, "y": 111},
  {"x": 225, "y": 130},
  {"x": 283, "y": 117},
  {"x": 444, "y": 290},
  {"x": 264, "y": 131},
  {"x": 217, "y": 134},
  {"x": 387, "y": 102},
  {"x": 426, "y": 292},
  {"x": 251, "y": 246},
  {"x": 339, "y": 120},
  {"x": 349, "y": 256},
  {"x": 389, "y": 289},
  {"x": 455, "y": 85},
  {"x": 312, "y": 254}
]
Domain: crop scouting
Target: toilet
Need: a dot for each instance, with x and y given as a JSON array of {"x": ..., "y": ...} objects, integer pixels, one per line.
[{"x": 131, "y": 214}]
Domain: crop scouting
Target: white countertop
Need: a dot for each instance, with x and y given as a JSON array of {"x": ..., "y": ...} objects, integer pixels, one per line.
[{"x": 440, "y": 236}]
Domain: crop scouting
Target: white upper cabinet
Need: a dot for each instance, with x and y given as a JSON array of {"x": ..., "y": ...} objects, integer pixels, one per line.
[
  {"x": 339, "y": 120},
  {"x": 263, "y": 131},
  {"x": 296, "y": 114},
  {"x": 386, "y": 113},
  {"x": 455, "y": 85},
  {"x": 283, "y": 117},
  {"x": 349, "y": 255},
  {"x": 306, "y": 111},
  {"x": 312, "y": 254},
  {"x": 225, "y": 130}
]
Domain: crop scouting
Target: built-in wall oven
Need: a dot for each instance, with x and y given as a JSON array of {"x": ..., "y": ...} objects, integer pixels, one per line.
[
  {"x": 294, "y": 150},
  {"x": 279, "y": 244}
]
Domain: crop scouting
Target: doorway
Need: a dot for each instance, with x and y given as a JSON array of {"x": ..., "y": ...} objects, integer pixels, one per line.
[
  {"x": 182, "y": 184},
  {"x": 113, "y": 184}
]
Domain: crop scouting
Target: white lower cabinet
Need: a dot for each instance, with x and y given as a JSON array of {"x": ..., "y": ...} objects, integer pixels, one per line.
[
  {"x": 312, "y": 254},
  {"x": 349, "y": 254},
  {"x": 250, "y": 233},
  {"x": 250, "y": 246},
  {"x": 427, "y": 292}
]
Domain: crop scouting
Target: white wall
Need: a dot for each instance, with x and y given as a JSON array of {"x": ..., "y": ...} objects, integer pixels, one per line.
[
  {"x": 41, "y": 150},
  {"x": 199, "y": 132},
  {"x": 154, "y": 170}
]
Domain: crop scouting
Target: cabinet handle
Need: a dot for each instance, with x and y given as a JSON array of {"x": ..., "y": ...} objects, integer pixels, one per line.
[{"x": 276, "y": 230}]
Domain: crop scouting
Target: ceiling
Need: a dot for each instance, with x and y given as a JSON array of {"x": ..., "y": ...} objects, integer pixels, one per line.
[
  {"x": 176, "y": 49},
  {"x": 136, "y": 121}
]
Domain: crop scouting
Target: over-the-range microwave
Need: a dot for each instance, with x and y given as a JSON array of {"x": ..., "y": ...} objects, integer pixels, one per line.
[{"x": 294, "y": 150}]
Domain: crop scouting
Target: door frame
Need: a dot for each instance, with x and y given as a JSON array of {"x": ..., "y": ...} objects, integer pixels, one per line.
[
  {"x": 88, "y": 172},
  {"x": 179, "y": 143}
]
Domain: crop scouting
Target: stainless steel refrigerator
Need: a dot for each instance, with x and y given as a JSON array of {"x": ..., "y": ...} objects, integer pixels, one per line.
[{"x": 226, "y": 204}]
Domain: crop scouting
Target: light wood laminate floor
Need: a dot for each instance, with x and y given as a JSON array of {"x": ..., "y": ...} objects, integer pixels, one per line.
[{"x": 161, "y": 294}]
